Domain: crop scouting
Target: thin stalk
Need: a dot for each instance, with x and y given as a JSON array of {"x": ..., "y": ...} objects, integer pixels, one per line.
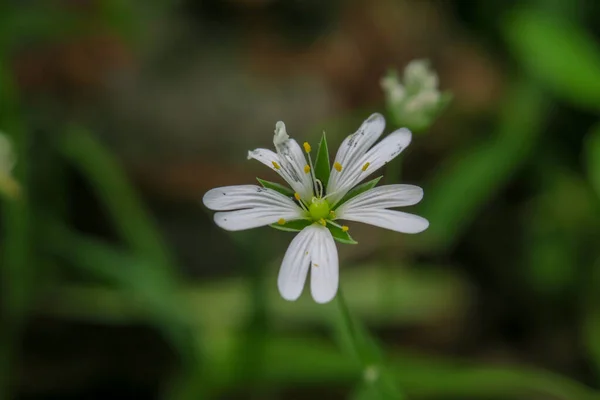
[
  {"x": 368, "y": 353},
  {"x": 16, "y": 268}
]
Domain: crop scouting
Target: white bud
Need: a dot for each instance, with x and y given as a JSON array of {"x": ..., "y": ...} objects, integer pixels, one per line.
[
  {"x": 419, "y": 76},
  {"x": 422, "y": 101},
  {"x": 415, "y": 102},
  {"x": 393, "y": 88}
]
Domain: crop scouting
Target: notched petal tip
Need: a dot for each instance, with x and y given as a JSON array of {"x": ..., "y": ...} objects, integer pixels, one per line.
[
  {"x": 222, "y": 222},
  {"x": 419, "y": 227},
  {"x": 375, "y": 117},
  {"x": 287, "y": 294},
  {"x": 210, "y": 198},
  {"x": 323, "y": 297},
  {"x": 405, "y": 132}
]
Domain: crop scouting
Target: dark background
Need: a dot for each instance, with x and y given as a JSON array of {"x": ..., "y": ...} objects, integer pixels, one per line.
[{"x": 116, "y": 283}]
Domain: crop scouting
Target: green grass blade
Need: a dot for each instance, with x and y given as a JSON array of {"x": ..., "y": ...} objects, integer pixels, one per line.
[
  {"x": 470, "y": 178},
  {"x": 115, "y": 192},
  {"x": 558, "y": 53}
]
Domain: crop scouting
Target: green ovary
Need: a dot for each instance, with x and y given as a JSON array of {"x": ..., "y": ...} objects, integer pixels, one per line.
[{"x": 319, "y": 208}]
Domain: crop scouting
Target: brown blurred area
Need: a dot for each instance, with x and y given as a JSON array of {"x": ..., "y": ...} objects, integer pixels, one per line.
[{"x": 179, "y": 93}]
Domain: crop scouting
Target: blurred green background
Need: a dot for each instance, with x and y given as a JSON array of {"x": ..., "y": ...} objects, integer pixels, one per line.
[{"x": 117, "y": 285}]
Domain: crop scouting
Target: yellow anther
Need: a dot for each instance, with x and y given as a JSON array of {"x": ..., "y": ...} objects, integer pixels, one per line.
[
  {"x": 337, "y": 166},
  {"x": 315, "y": 265},
  {"x": 297, "y": 196},
  {"x": 306, "y": 169},
  {"x": 307, "y": 147},
  {"x": 322, "y": 222},
  {"x": 281, "y": 221},
  {"x": 364, "y": 167},
  {"x": 332, "y": 213},
  {"x": 345, "y": 228},
  {"x": 275, "y": 165}
]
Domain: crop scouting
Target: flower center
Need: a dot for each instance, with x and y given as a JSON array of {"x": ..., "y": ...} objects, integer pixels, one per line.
[{"x": 319, "y": 208}]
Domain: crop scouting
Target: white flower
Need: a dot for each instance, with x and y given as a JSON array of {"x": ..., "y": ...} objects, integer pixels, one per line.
[
  {"x": 314, "y": 209},
  {"x": 416, "y": 101}
]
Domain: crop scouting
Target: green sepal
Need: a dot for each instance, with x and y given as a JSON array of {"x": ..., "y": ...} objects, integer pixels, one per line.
[
  {"x": 277, "y": 187},
  {"x": 293, "y": 226},
  {"x": 358, "y": 190},
  {"x": 322, "y": 167},
  {"x": 341, "y": 236}
]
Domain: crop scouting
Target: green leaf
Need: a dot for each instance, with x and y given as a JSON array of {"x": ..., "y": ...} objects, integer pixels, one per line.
[
  {"x": 483, "y": 169},
  {"x": 124, "y": 205},
  {"x": 358, "y": 190},
  {"x": 341, "y": 236},
  {"x": 293, "y": 226},
  {"x": 558, "y": 53},
  {"x": 322, "y": 167},
  {"x": 277, "y": 187}
]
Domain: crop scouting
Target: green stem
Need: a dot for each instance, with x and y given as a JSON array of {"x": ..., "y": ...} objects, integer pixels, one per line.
[
  {"x": 376, "y": 377},
  {"x": 348, "y": 324},
  {"x": 16, "y": 269}
]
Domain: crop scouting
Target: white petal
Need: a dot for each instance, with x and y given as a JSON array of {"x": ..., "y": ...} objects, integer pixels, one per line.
[
  {"x": 254, "y": 217},
  {"x": 265, "y": 156},
  {"x": 324, "y": 272},
  {"x": 380, "y": 154},
  {"x": 298, "y": 180},
  {"x": 386, "y": 196},
  {"x": 292, "y": 165},
  {"x": 388, "y": 219},
  {"x": 294, "y": 266},
  {"x": 246, "y": 196},
  {"x": 355, "y": 146}
]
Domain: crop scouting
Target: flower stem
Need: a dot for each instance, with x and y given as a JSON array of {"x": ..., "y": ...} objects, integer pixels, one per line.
[
  {"x": 16, "y": 268},
  {"x": 365, "y": 348}
]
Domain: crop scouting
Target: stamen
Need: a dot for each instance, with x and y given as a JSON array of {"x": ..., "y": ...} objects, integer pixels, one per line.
[
  {"x": 332, "y": 213},
  {"x": 281, "y": 221},
  {"x": 322, "y": 222},
  {"x": 307, "y": 147},
  {"x": 315, "y": 265},
  {"x": 312, "y": 168},
  {"x": 364, "y": 167},
  {"x": 275, "y": 165},
  {"x": 337, "y": 166},
  {"x": 342, "y": 227},
  {"x": 306, "y": 169},
  {"x": 299, "y": 199}
]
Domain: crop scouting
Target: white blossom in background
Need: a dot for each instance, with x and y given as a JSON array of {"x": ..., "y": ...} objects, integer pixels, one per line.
[
  {"x": 315, "y": 209},
  {"x": 8, "y": 185},
  {"x": 416, "y": 100}
]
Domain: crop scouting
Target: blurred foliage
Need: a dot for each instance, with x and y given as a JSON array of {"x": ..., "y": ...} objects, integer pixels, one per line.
[{"x": 513, "y": 200}]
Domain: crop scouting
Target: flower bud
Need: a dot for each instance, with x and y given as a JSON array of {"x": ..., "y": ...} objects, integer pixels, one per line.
[{"x": 415, "y": 102}]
